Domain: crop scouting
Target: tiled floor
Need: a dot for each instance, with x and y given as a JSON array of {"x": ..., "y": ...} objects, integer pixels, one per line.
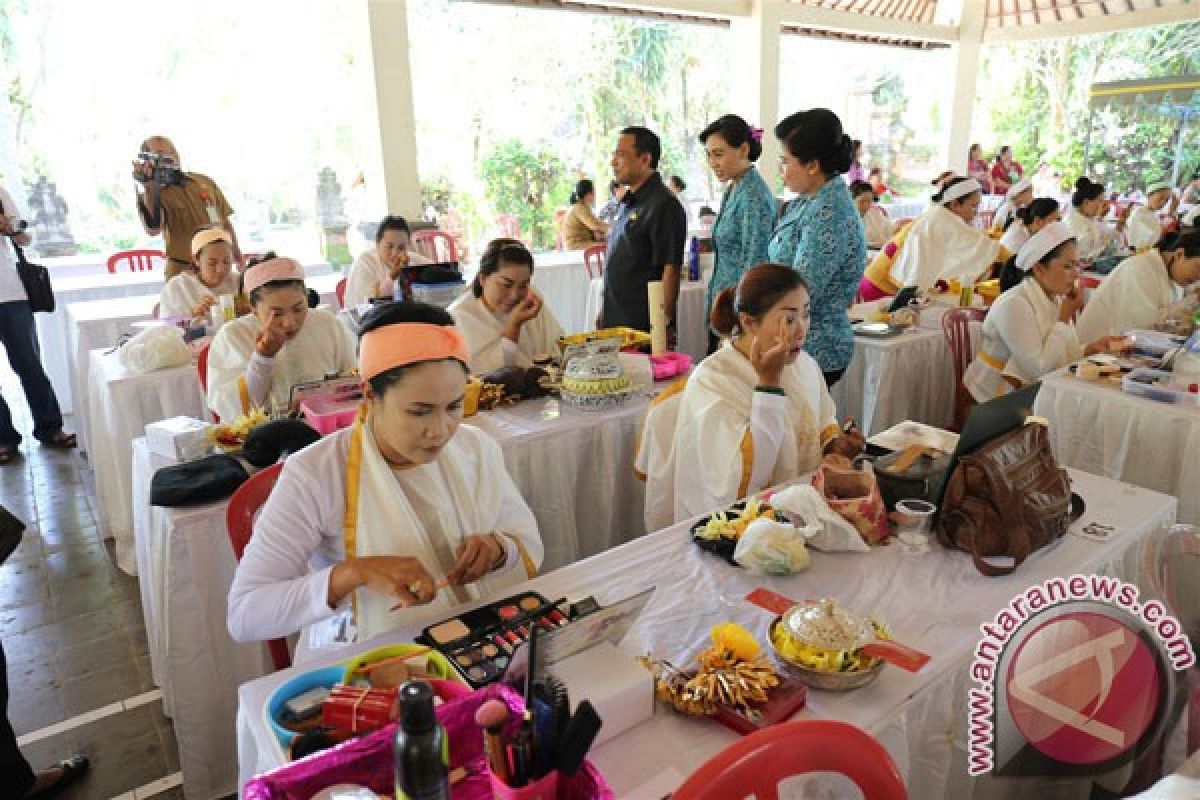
[{"x": 72, "y": 629}]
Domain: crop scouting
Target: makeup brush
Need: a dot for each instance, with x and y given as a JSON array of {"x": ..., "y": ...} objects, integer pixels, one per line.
[{"x": 491, "y": 716}]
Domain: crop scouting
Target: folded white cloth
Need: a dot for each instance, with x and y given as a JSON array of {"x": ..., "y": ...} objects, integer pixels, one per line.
[{"x": 820, "y": 525}]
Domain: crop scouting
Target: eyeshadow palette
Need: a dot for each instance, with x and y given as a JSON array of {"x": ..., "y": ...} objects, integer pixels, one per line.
[{"x": 480, "y": 643}]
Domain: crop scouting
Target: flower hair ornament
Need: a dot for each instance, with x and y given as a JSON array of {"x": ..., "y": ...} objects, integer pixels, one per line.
[{"x": 756, "y": 134}]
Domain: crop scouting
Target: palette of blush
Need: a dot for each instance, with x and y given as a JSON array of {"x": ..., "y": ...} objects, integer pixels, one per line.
[{"x": 480, "y": 643}]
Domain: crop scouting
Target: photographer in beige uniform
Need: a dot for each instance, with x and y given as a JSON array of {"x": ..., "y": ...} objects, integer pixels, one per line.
[{"x": 177, "y": 203}]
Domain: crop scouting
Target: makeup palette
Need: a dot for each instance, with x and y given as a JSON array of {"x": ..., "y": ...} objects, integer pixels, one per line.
[{"x": 480, "y": 643}]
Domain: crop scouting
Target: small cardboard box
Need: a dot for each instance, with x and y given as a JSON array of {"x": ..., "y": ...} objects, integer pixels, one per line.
[{"x": 179, "y": 438}]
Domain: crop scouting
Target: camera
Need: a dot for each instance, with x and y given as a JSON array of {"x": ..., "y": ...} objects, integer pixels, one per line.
[{"x": 164, "y": 170}]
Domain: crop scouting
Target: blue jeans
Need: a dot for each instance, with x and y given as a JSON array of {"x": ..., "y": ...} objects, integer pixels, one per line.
[{"x": 19, "y": 337}]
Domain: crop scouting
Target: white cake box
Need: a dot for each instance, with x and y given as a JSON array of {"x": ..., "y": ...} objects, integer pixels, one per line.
[{"x": 180, "y": 438}]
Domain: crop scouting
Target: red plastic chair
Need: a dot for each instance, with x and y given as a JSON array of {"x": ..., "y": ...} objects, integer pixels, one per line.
[
  {"x": 340, "y": 291},
  {"x": 560, "y": 236},
  {"x": 956, "y": 327},
  {"x": 435, "y": 245},
  {"x": 757, "y": 764},
  {"x": 593, "y": 260},
  {"x": 239, "y": 519},
  {"x": 510, "y": 225},
  {"x": 138, "y": 260}
]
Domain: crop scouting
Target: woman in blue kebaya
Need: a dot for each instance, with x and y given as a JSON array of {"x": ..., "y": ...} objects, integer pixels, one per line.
[
  {"x": 821, "y": 235},
  {"x": 748, "y": 209}
]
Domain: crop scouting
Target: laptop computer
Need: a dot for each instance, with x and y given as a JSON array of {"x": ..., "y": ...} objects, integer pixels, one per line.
[{"x": 985, "y": 422}]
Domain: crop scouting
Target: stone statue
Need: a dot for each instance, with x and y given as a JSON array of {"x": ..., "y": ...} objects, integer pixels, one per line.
[
  {"x": 51, "y": 235},
  {"x": 331, "y": 213},
  {"x": 331, "y": 206}
]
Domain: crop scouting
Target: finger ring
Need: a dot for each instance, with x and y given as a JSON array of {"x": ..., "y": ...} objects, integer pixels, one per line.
[{"x": 416, "y": 587}]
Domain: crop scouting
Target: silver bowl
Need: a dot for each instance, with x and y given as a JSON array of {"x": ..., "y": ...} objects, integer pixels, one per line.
[{"x": 816, "y": 679}]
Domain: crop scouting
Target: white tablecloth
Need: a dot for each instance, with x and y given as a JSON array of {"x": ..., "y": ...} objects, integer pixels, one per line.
[
  {"x": 575, "y": 470},
  {"x": 907, "y": 376},
  {"x": 692, "y": 327},
  {"x": 185, "y": 568},
  {"x": 98, "y": 325},
  {"x": 122, "y": 404},
  {"x": 1103, "y": 430},
  {"x": 935, "y": 603},
  {"x": 562, "y": 281}
]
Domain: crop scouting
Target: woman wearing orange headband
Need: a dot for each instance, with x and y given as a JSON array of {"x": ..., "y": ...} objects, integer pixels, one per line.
[
  {"x": 405, "y": 508},
  {"x": 193, "y": 292},
  {"x": 255, "y": 361}
]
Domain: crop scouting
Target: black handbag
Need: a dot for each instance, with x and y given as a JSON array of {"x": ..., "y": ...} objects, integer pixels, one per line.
[
  {"x": 36, "y": 280},
  {"x": 34, "y": 277}
]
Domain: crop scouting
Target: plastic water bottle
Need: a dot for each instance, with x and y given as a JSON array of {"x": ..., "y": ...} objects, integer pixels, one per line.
[{"x": 693, "y": 257}]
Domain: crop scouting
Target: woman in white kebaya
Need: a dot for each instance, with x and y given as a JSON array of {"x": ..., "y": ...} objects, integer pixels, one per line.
[
  {"x": 373, "y": 274},
  {"x": 1029, "y": 330},
  {"x": 757, "y": 412},
  {"x": 406, "y": 508},
  {"x": 192, "y": 293},
  {"x": 1144, "y": 289},
  {"x": 505, "y": 322},
  {"x": 255, "y": 360}
]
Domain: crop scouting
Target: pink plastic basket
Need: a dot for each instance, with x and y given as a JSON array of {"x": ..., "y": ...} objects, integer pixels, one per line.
[
  {"x": 368, "y": 761},
  {"x": 328, "y": 414},
  {"x": 670, "y": 365}
]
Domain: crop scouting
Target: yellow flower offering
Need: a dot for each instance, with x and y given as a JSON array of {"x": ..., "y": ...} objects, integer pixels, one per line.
[{"x": 739, "y": 643}]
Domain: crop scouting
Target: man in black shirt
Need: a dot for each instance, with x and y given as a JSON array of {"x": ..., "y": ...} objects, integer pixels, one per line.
[{"x": 645, "y": 242}]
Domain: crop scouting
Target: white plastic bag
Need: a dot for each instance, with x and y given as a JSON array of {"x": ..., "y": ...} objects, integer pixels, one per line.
[
  {"x": 820, "y": 525},
  {"x": 155, "y": 348},
  {"x": 767, "y": 547}
]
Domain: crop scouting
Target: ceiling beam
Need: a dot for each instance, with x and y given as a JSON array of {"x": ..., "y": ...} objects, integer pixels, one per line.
[
  {"x": 804, "y": 16},
  {"x": 1186, "y": 11}
]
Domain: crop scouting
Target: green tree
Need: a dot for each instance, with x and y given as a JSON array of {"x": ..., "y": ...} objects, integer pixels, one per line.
[
  {"x": 1039, "y": 94},
  {"x": 528, "y": 183}
]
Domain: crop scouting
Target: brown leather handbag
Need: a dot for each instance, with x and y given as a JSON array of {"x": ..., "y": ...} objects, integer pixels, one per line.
[{"x": 1006, "y": 499}]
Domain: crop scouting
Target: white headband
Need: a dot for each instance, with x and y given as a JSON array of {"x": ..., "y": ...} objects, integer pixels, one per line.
[
  {"x": 1041, "y": 243},
  {"x": 1019, "y": 187},
  {"x": 960, "y": 189},
  {"x": 1157, "y": 186}
]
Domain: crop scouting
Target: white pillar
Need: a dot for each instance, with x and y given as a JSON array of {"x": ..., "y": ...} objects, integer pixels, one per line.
[
  {"x": 395, "y": 167},
  {"x": 755, "y": 77},
  {"x": 966, "y": 70}
]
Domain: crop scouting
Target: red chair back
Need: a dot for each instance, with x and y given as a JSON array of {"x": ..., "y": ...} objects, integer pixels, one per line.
[
  {"x": 435, "y": 245},
  {"x": 560, "y": 236},
  {"x": 340, "y": 291},
  {"x": 202, "y": 371},
  {"x": 138, "y": 260},
  {"x": 510, "y": 225},
  {"x": 593, "y": 260},
  {"x": 756, "y": 764},
  {"x": 239, "y": 520},
  {"x": 956, "y": 327}
]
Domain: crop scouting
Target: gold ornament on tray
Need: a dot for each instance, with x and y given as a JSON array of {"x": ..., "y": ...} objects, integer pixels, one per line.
[{"x": 733, "y": 672}]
